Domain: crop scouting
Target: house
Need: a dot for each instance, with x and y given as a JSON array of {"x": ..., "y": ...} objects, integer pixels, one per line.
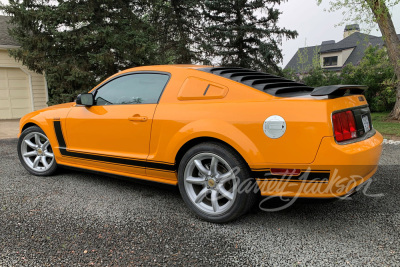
[
  {"x": 21, "y": 90},
  {"x": 334, "y": 56}
]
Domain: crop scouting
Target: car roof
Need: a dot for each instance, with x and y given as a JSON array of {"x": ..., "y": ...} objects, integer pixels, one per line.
[
  {"x": 190, "y": 66},
  {"x": 186, "y": 66},
  {"x": 264, "y": 82}
]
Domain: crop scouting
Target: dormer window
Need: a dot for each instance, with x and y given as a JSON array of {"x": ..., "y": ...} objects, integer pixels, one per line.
[{"x": 330, "y": 61}]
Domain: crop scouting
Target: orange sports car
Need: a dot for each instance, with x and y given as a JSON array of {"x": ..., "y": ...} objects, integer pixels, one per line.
[{"x": 223, "y": 135}]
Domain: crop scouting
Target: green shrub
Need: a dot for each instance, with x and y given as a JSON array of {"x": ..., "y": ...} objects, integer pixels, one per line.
[{"x": 374, "y": 71}]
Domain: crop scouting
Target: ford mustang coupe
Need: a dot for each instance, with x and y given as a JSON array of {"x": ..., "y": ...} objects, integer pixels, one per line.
[{"x": 222, "y": 134}]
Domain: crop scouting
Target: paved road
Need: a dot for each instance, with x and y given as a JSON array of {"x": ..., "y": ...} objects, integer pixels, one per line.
[
  {"x": 9, "y": 128},
  {"x": 75, "y": 218}
]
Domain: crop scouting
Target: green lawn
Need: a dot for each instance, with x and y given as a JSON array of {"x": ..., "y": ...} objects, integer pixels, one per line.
[{"x": 388, "y": 128}]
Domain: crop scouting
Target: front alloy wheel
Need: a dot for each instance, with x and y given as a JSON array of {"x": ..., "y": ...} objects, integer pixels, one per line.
[{"x": 35, "y": 152}]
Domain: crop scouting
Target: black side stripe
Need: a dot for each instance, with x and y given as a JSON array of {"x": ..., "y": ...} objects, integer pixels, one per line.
[
  {"x": 320, "y": 175},
  {"x": 59, "y": 134},
  {"x": 293, "y": 181},
  {"x": 304, "y": 176},
  {"x": 205, "y": 92},
  {"x": 108, "y": 159}
]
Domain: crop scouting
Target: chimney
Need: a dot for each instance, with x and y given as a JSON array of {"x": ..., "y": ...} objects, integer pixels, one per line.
[
  {"x": 350, "y": 29},
  {"x": 328, "y": 42}
]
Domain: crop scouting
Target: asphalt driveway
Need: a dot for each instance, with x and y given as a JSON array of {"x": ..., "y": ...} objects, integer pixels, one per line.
[{"x": 76, "y": 218}]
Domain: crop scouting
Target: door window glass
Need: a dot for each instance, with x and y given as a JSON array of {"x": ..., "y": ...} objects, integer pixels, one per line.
[{"x": 141, "y": 88}]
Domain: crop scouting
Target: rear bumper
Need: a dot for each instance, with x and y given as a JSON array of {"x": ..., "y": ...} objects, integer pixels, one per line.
[{"x": 336, "y": 170}]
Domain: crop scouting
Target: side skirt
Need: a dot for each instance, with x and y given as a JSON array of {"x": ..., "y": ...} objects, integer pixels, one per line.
[{"x": 142, "y": 179}]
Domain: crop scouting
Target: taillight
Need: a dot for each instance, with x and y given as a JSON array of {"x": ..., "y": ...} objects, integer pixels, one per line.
[{"x": 344, "y": 125}]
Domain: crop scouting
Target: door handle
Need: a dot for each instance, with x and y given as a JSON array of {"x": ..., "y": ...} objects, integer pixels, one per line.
[{"x": 138, "y": 118}]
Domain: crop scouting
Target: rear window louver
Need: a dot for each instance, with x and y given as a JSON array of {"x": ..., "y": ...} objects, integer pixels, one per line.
[{"x": 268, "y": 83}]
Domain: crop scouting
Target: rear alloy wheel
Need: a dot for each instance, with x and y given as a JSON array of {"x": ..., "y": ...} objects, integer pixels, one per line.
[
  {"x": 209, "y": 179},
  {"x": 35, "y": 152}
]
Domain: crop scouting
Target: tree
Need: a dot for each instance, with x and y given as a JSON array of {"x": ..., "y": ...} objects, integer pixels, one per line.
[
  {"x": 374, "y": 71},
  {"x": 177, "y": 23},
  {"x": 302, "y": 56},
  {"x": 236, "y": 36},
  {"x": 78, "y": 43},
  {"x": 377, "y": 11}
]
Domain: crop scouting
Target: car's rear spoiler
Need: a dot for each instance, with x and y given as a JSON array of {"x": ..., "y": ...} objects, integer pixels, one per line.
[{"x": 333, "y": 91}]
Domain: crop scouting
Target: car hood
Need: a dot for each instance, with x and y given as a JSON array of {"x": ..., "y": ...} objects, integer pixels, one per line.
[{"x": 64, "y": 105}]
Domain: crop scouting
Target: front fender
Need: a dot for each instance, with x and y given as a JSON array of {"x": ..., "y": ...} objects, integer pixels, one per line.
[
  {"x": 44, "y": 118},
  {"x": 34, "y": 118}
]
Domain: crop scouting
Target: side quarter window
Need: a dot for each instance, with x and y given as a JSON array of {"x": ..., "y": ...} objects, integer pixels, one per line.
[
  {"x": 194, "y": 88},
  {"x": 139, "y": 88}
]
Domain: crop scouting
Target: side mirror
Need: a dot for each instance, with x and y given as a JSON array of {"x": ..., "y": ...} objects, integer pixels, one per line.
[{"x": 85, "y": 99}]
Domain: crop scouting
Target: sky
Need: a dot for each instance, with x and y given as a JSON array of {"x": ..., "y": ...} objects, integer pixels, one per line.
[{"x": 313, "y": 24}]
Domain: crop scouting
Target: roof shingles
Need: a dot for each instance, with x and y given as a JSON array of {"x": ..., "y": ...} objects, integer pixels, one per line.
[{"x": 358, "y": 41}]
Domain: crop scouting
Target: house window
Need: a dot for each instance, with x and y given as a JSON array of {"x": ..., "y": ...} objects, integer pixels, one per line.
[{"x": 330, "y": 61}]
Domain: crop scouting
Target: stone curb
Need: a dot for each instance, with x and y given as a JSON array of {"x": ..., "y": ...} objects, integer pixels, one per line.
[{"x": 391, "y": 142}]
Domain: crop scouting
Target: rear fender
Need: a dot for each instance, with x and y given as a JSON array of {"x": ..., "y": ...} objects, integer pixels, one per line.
[{"x": 221, "y": 130}]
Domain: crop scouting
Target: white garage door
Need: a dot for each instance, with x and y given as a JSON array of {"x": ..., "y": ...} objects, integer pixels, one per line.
[{"x": 15, "y": 99}]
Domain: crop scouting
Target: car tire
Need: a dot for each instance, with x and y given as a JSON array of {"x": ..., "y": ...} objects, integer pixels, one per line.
[
  {"x": 215, "y": 182},
  {"x": 35, "y": 152}
]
